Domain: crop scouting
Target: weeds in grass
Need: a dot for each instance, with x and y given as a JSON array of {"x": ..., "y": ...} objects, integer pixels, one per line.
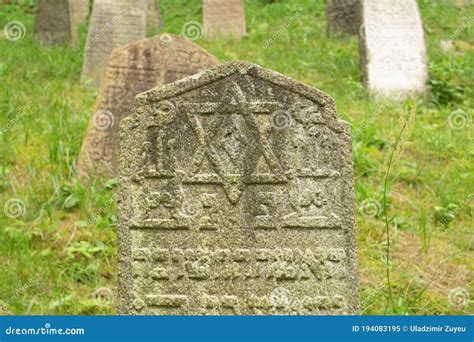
[
  {"x": 396, "y": 147},
  {"x": 64, "y": 244}
]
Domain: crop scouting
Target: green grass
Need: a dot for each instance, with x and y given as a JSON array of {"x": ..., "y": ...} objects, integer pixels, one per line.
[{"x": 62, "y": 249}]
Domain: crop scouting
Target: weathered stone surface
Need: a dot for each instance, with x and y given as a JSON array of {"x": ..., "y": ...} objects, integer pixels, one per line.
[
  {"x": 392, "y": 47},
  {"x": 57, "y": 21},
  {"x": 223, "y": 19},
  {"x": 236, "y": 197},
  {"x": 52, "y": 22},
  {"x": 153, "y": 16},
  {"x": 132, "y": 69},
  {"x": 342, "y": 17},
  {"x": 113, "y": 23},
  {"x": 78, "y": 12}
]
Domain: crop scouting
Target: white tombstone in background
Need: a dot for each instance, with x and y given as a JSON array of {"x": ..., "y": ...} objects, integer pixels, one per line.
[{"x": 392, "y": 48}]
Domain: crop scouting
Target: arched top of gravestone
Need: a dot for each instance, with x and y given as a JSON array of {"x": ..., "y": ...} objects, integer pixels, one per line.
[
  {"x": 157, "y": 53},
  {"x": 323, "y": 113},
  {"x": 236, "y": 160},
  {"x": 392, "y": 48},
  {"x": 132, "y": 69}
]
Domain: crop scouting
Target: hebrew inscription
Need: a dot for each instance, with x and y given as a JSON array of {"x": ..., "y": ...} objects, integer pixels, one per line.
[
  {"x": 132, "y": 69},
  {"x": 236, "y": 197},
  {"x": 392, "y": 48}
]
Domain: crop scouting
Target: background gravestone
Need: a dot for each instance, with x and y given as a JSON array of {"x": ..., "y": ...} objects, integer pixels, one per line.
[
  {"x": 236, "y": 197},
  {"x": 342, "y": 17},
  {"x": 392, "y": 47},
  {"x": 223, "y": 19},
  {"x": 153, "y": 16},
  {"x": 57, "y": 21},
  {"x": 133, "y": 69},
  {"x": 79, "y": 10},
  {"x": 113, "y": 23}
]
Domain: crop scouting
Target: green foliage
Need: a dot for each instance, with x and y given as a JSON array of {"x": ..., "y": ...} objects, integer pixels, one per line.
[{"x": 62, "y": 247}]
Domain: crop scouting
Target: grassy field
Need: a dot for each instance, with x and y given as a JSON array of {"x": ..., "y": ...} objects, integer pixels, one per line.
[{"x": 58, "y": 236}]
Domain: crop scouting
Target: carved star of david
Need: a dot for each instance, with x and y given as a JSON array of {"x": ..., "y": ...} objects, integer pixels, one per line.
[{"x": 224, "y": 145}]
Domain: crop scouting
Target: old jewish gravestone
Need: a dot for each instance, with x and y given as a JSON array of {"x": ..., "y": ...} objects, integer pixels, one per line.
[
  {"x": 57, "y": 21},
  {"x": 392, "y": 48},
  {"x": 153, "y": 16},
  {"x": 223, "y": 19},
  {"x": 113, "y": 23},
  {"x": 132, "y": 69},
  {"x": 342, "y": 17},
  {"x": 236, "y": 197}
]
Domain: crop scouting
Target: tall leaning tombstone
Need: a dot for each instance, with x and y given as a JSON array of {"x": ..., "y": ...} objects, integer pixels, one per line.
[
  {"x": 57, "y": 21},
  {"x": 223, "y": 19},
  {"x": 132, "y": 69},
  {"x": 392, "y": 48},
  {"x": 342, "y": 17},
  {"x": 236, "y": 196},
  {"x": 113, "y": 23}
]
